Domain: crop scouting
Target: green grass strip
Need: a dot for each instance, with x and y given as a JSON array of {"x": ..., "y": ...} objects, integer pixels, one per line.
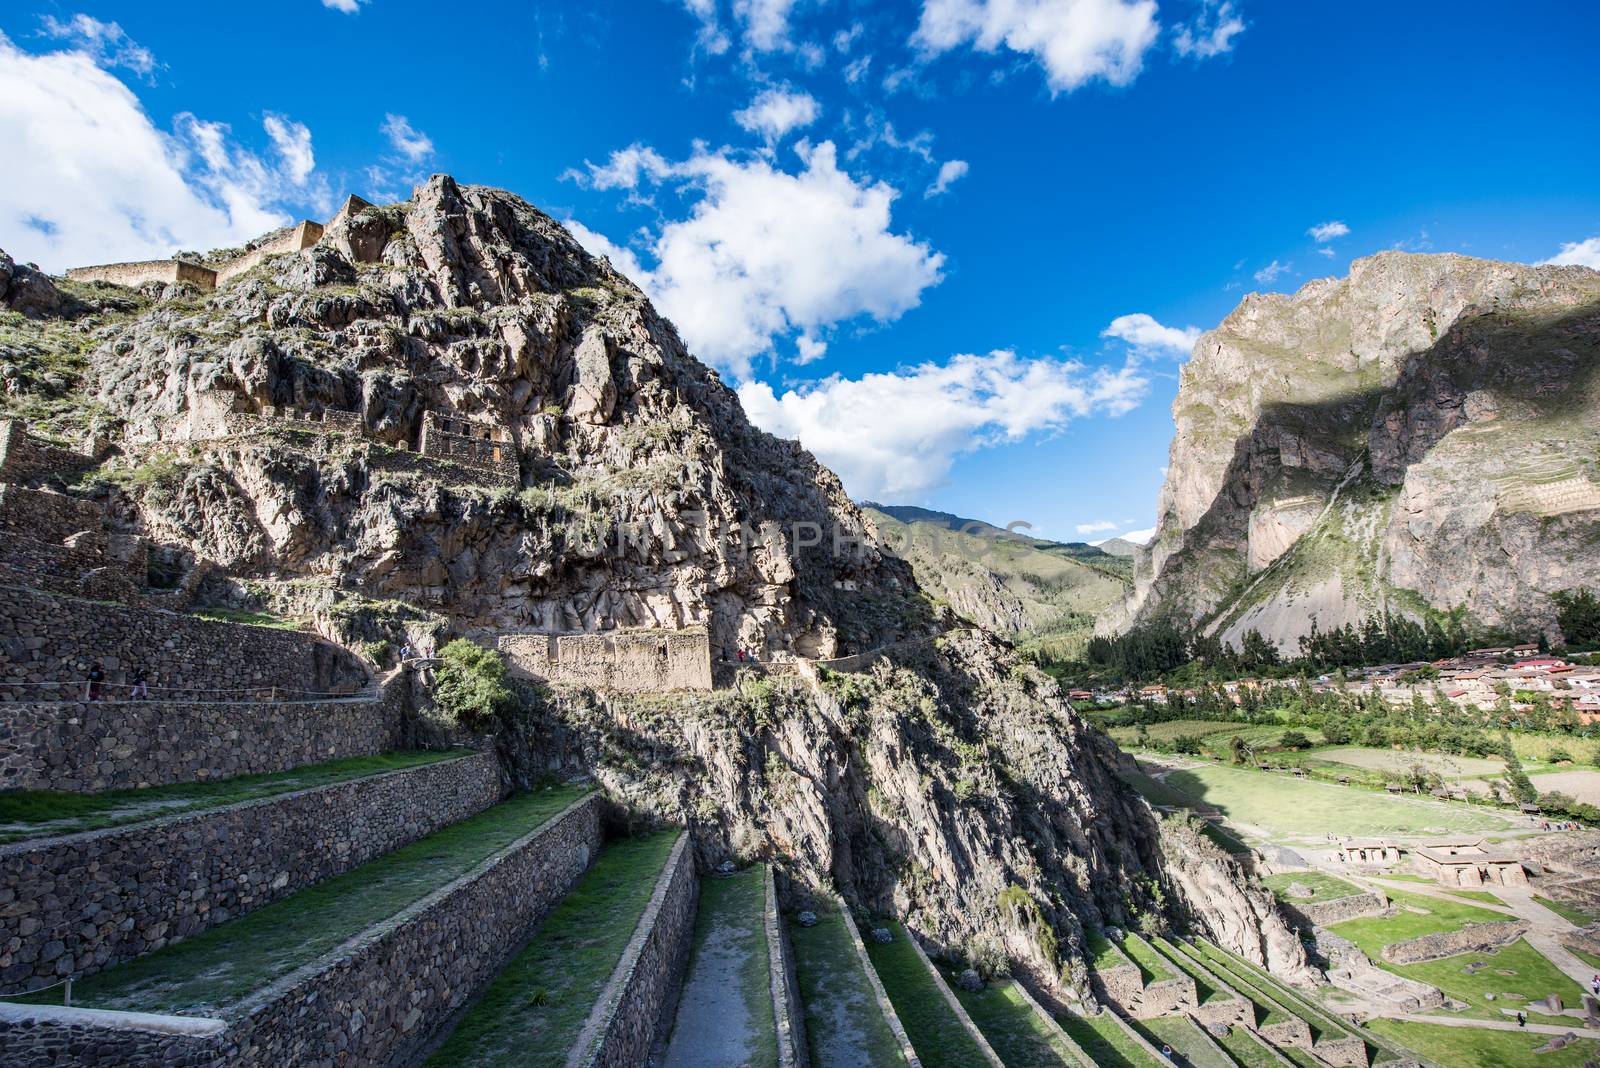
[
  {"x": 1185, "y": 1038},
  {"x": 1571, "y": 913},
  {"x": 536, "y": 1007},
  {"x": 216, "y": 968},
  {"x": 844, "y": 1026},
  {"x": 1246, "y": 1049},
  {"x": 28, "y": 814},
  {"x": 1202, "y": 986},
  {"x": 1325, "y": 887},
  {"x": 1471, "y": 1047},
  {"x": 1372, "y": 933},
  {"x": 1106, "y": 1043},
  {"x": 1153, "y": 968},
  {"x": 730, "y": 943},
  {"x": 1016, "y": 1032},
  {"x": 935, "y": 1031}
]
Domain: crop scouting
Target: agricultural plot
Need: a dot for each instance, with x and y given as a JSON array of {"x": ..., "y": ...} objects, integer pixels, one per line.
[
  {"x": 1442, "y": 764},
  {"x": 1106, "y": 1043},
  {"x": 1184, "y": 1038},
  {"x": 1462, "y": 1047},
  {"x": 1581, "y": 785},
  {"x": 1282, "y": 806},
  {"x": 1176, "y": 728}
]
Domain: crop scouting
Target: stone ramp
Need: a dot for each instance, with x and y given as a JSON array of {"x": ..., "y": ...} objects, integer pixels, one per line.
[
  {"x": 725, "y": 1016},
  {"x": 588, "y": 986},
  {"x": 100, "y": 897},
  {"x": 847, "y": 1018},
  {"x": 357, "y": 969}
]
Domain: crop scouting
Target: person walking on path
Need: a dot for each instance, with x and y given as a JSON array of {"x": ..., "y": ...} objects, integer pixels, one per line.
[
  {"x": 1594, "y": 984},
  {"x": 141, "y": 684},
  {"x": 1522, "y": 1018},
  {"x": 97, "y": 678}
]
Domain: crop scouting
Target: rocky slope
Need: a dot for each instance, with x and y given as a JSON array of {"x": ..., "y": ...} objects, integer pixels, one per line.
[
  {"x": 1417, "y": 437},
  {"x": 933, "y": 783}
]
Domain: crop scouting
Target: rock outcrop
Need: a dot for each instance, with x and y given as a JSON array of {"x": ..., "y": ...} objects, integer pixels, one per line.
[
  {"x": 262, "y": 442},
  {"x": 1417, "y": 437}
]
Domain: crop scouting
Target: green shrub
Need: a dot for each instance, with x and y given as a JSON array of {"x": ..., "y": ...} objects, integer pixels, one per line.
[{"x": 470, "y": 684}]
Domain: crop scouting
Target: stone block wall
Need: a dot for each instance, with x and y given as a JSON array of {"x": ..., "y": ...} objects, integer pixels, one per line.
[
  {"x": 1167, "y": 997},
  {"x": 470, "y": 443},
  {"x": 1295, "y": 1033},
  {"x": 1323, "y": 913},
  {"x": 52, "y": 517},
  {"x": 302, "y": 236},
  {"x": 374, "y": 1000},
  {"x": 623, "y": 1027},
  {"x": 1474, "y": 938},
  {"x": 631, "y": 661},
  {"x": 84, "y": 748},
  {"x": 86, "y": 901},
  {"x": 138, "y": 273},
  {"x": 1121, "y": 985},
  {"x": 789, "y": 1014},
  {"x": 47, "y": 643},
  {"x": 72, "y": 572},
  {"x": 24, "y": 458}
]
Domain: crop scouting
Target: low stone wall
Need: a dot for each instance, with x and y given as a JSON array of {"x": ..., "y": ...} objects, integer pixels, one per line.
[
  {"x": 140, "y": 272},
  {"x": 1342, "y": 1052},
  {"x": 51, "y": 639},
  {"x": 1293, "y": 1032},
  {"x": 24, "y": 458},
  {"x": 1229, "y": 1012},
  {"x": 1167, "y": 997},
  {"x": 85, "y": 901},
  {"x": 373, "y": 1000},
  {"x": 52, "y": 517},
  {"x": 1475, "y": 938},
  {"x": 86, "y": 748},
  {"x": 880, "y": 995},
  {"x": 953, "y": 1004},
  {"x": 1121, "y": 985},
  {"x": 628, "y": 661},
  {"x": 625, "y": 1022},
  {"x": 786, "y": 1008},
  {"x": 302, "y": 236},
  {"x": 71, "y": 572},
  {"x": 1323, "y": 913}
]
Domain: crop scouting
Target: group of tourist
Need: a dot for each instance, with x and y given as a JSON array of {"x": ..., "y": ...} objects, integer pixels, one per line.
[{"x": 138, "y": 682}]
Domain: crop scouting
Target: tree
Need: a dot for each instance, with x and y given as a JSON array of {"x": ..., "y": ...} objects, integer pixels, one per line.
[
  {"x": 1187, "y": 743},
  {"x": 470, "y": 683},
  {"x": 1516, "y": 779},
  {"x": 1294, "y": 740},
  {"x": 1578, "y": 614}
]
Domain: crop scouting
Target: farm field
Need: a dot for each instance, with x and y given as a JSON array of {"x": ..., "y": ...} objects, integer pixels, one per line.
[
  {"x": 1283, "y": 806},
  {"x": 1462, "y": 1047},
  {"x": 1403, "y": 760},
  {"x": 1176, "y": 728},
  {"x": 1582, "y": 785}
]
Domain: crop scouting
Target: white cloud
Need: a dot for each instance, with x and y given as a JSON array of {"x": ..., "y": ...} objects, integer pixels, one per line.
[
  {"x": 1076, "y": 41},
  {"x": 1325, "y": 251},
  {"x": 1583, "y": 253},
  {"x": 1324, "y": 232},
  {"x": 710, "y": 39},
  {"x": 89, "y": 178},
  {"x": 1099, "y": 526},
  {"x": 106, "y": 42},
  {"x": 810, "y": 350},
  {"x": 349, "y": 7},
  {"x": 624, "y": 170},
  {"x": 1269, "y": 274},
  {"x": 623, "y": 259},
  {"x": 1139, "y": 537},
  {"x": 774, "y": 112},
  {"x": 949, "y": 172},
  {"x": 845, "y": 40},
  {"x": 766, "y": 23},
  {"x": 765, "y": 253},
  {"x": 1211, "y": 33},
  {"x": 413, "y": 144},
  {"x": 1142, "y": 331},
  {"x": 895, "y": 435},
  {"x": 857, "y": 69}
]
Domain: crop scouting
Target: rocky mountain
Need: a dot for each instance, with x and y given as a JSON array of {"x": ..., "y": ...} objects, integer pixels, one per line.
[
  {"x": 259, "y": 438},
  {"x": 1119, "y": 547},
  {"x": 1042, "y": 594},
  {"x": 1418, "y": 437}
]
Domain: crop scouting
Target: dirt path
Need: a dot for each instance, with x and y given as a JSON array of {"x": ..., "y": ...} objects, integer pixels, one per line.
[
  {"x": 720, "y": 1023},
  {"x": 1498, "y": 1025}
]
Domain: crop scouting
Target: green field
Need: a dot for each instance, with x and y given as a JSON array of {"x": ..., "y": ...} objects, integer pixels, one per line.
[
  {"x": 1462, "y": 1047},
  {"x": 844, "y": 1026},
  {"x": 1435, "y": 914},
  {"x": 1514, "y": 974},
  {"x": 34, "y": 813},
  {"x": 1175, "y": 728},
  {"x": 935, "y": 1031},
  {"x": 1326, "y": 887},
  {"x": 1016, "y": 1032},
  {"x": 1403, "y": 760},
  {"x": 1154, "y": 790},
  {"x": 1104, "y": 1040},
  {"x": 1285, "y": 806},
  {"x": 1186, "y": 1041},
  {"x": 533, "y": 1011}
]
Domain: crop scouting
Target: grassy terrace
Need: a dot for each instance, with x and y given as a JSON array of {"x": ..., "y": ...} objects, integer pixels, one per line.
[
  {"x": 533, "y": 1011},
  {"x": 1247, "y": 1050},
  {"x": 1203, "y": 988},
  {"x": 1571, "y": 913},
  {"x": 1512, "y": 972},
  {"x": 935, "y": 1031},
  {"x": 1153, "y": 967},
  {"x": 1436, "y": 914},
  {"x": 1103, "y": 953},
  {"x": 1106, "y": 1043},
  {"x": 1327, "y": 887},
  {"x": 1183, "y": 1035},
  {"x": 1463, "y": 1047},
  {"x": 725, "y": 1012},
  {"x": 34, "y": 813},
  {"x": 206, "y": 973},
  {"x": 844, "y": 1026},
  {"x": 1016, "y": 1032},
  {"x": 1269, "y": 1010}
]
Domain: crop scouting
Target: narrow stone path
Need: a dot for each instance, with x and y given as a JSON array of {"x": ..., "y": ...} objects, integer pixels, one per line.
[
  {"x": 724, "y": 1017},
  {"x": 1498, "y": 1025}
]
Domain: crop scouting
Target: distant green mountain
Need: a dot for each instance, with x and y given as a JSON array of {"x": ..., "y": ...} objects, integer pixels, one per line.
[{"x": 1042, "y": 594}]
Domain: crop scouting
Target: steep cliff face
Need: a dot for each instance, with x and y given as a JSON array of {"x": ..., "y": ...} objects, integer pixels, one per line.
[
  {"x": 1419, "y": 436},
  {"x": 933, "y": 784}
]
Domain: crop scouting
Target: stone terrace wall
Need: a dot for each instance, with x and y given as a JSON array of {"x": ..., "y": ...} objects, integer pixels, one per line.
[
  {"x": 46, "y": 638},
  {"x": 303, "y": 236},
  {"x": 72, "y": 572},
  {"x": 1476, "y": 938},
  {"x": 630, "y": 661},
  {"x": 625, "y": 1022},
  {"x": 788, "y": 1012},
  {"x": 135, "y": 274},
  {"x": 83, "y": 748},
  {"x": 86, "y": 901},
  {"x": 1323, "y": 913},
  {"x": 47, "y": 516},
  {"x": 24, "y": 458},
  {"x": 375, "y": 999}
]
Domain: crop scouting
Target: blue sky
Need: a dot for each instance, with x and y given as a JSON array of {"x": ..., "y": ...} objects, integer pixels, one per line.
[{"x": 958, "y": 247}]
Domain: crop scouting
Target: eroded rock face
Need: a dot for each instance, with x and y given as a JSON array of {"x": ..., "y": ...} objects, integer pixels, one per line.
[{"x": 1420, "y": 432}]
